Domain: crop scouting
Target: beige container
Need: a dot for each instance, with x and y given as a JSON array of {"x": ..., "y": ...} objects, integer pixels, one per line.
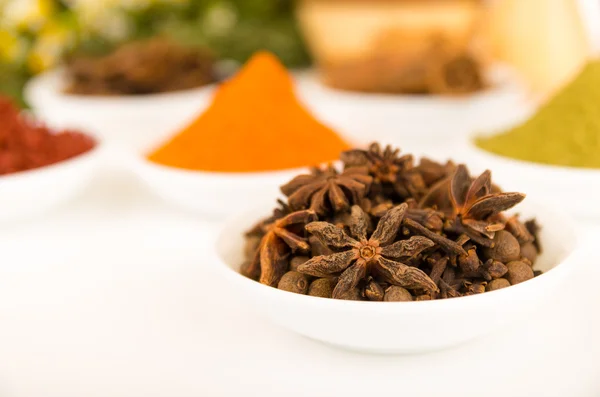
[
  {"x": 384, "y": 45},
  {"x": 545, "y": 40}
]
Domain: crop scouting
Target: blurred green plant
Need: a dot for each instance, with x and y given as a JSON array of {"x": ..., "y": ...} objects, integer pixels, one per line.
[{"x": 36, "y": 34}]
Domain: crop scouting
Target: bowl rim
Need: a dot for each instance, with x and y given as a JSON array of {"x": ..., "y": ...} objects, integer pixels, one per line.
[
  {"x": 531, "y": 165},
  {"x": 141, "y": 162},
  {"x": 48, "y": 84},
  {"x": 20, "y": 176},
  {"x": 503, "y": 295}
]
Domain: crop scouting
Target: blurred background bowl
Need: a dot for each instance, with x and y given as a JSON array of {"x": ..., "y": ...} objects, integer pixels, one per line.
[
  {"x": 28, "y": 193},
  {"x": 131, "y": 121},
  {"x": 415, "y": 122},
  {"x": 403, "y": 327},
  {"x": 211, "y": 194}
]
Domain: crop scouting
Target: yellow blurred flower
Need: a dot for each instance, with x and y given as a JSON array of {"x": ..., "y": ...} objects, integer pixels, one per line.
[
  {"x": 49, "y": 46},
  {"x": 29, "y": 15},
  {"x": 12, "y": 47}
]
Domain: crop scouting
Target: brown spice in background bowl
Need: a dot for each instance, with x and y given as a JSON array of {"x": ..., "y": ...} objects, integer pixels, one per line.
[{"x": 142, "y": 67}]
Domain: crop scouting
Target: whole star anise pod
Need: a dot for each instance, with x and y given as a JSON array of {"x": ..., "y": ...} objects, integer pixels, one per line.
[
  {"x": 283, "y": 236},
  {"x": 388, "y": 168},
  {"x": 474, "y": 204},
  {"x": 359, "y": 257},
  {"x": 326, "y": 190}
]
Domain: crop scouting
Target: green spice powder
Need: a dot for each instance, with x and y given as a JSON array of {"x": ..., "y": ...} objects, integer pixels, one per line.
[{"x": 565, "y": 131}]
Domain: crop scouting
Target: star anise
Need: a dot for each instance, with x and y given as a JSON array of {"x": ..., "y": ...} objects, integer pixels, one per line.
[
  {"x": 327, "y": 190},
  {"x": 388, "y": 168},
  {"x": 283, "y": 237},
  {"x": 474, "y": 204},
  {"x": 357, "y": 257},
  {"x": 433, "y": 172}
]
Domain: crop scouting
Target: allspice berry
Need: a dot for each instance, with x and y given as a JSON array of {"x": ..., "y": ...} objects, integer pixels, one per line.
[
  {"x": 397, "y": 294},
  {"x": 529, "y": 251},
  {"x": 297, "y": 261},
  {"x": 294, "y": 282},
  {"x": 322, "y": 287},
  {"x": 497, "y": 269},
  {"x": 518, "y": 272},
  {"x": 374, "y": 291},
  {"x": 498, "y": 283},
  {"x": 506, "y": 248}
]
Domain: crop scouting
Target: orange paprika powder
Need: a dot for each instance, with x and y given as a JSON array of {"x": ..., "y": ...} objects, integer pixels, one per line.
[{"x": 255, "y": 123}]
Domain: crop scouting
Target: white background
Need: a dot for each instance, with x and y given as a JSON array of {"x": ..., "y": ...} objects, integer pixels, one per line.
[{"x": 113, "y": 295}]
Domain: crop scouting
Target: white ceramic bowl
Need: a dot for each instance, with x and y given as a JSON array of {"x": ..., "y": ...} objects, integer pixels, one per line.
[
  {"x": 134, "y": 121},
  {"x": 574, "y": 190},
  {"x": 412, "y": 121},
  {"x": 29, "y": 193},
  {"x": 403, "y": 327},
  {"x": 213, "y": 194}
]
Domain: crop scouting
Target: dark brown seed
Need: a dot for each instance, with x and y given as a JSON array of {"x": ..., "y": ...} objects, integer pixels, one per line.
[
  {"x": 469, "y": 262},
  {"x": 496, "y": 269},
  {"x": 297, "y": 261},
  {"x": 529, "y": 251},
  {"x": 321, "y": 287},
  {"x": 294, "y": 282},
  {"x": 477, "y": 287},
  {"x": 506, "y": 248},
  {"x": 518, "y": 272},
  {"x": 397, "y": 294},
  {"x": 499, "y": 283},
  {"x": 423, "y": 298},
  {"x": 373, "y": 291}
]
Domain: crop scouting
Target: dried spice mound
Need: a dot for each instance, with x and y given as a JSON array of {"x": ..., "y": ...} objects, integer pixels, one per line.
[
  {"x": 264, "y": 125},
  {"x": 385, "y": 228},
  {"x": 565, "y": 131},
  {"x": 26, "y": 144},
  {"x": 141, "y": 67}
]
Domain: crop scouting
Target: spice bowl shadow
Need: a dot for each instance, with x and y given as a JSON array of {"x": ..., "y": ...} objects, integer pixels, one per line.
[
  {"x": 211, "y": 194},
  {"x": 574, "y": 190},
  {"x": 29, "y": 193},
  {"x": 403, "y": 327}
]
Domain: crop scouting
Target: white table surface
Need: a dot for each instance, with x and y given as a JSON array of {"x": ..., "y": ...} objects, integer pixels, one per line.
[{"x": 113, "y": 295}]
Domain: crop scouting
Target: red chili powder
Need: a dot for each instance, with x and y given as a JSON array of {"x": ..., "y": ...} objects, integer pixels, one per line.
[{"x": 27, "y": 144}]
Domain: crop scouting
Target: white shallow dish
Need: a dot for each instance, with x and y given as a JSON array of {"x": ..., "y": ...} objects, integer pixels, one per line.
[
  {"x": 411, "y": 120},
  {"x": 574, "y": 190},
  {"x": 213, "y": 194},
  {"x": 29, "y": 193},
  {"x": 403, "y": 327},
  {"x": 133, "y": 121}
]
